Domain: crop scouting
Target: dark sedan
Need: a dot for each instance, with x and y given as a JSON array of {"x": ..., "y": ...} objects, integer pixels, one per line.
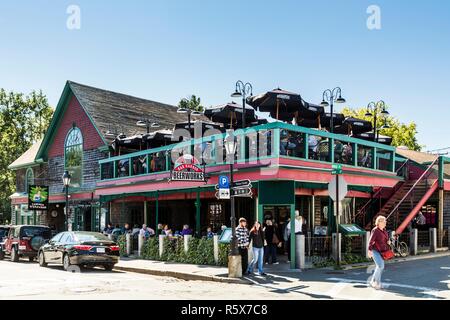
[{"x": 79, "y": 248}]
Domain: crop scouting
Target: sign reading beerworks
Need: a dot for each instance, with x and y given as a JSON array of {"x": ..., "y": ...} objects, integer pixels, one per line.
[
  {"x": 38, "y": 197},
  {"x": 187, "y": 168}
]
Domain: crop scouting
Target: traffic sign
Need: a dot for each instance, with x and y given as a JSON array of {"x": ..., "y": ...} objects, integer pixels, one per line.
[
  {"x": 223, "y": 194},
  {"x": 224, "y": 182},
  {"x": 241, "y": 192},
  {"x": 336, "y": 168},
  {"x": 242, "y": 184},
  {"x": 343, "y": 188}
]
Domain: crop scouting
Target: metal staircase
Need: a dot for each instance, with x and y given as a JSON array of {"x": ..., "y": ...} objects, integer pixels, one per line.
[{"x": 404, "y": 205}]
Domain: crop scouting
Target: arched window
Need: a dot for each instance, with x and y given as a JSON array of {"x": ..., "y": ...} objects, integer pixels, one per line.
[
  {"x": 29, "y": 179},
  {"x": 73, "y": 156}
]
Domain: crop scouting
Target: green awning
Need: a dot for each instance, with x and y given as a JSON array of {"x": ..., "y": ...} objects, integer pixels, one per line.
[{"x": 351, "y": 230}]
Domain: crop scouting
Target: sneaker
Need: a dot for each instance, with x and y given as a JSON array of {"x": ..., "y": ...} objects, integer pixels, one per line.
[
  {"x": 276, "y": 262},
  {"x": 262, "y": 274}
]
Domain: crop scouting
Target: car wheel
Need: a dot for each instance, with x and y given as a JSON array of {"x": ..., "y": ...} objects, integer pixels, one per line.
[
  {"x": 14, "y": 255},
  {"x": 2, "y": 255},
  {"x": 42, "y": 262},
  {"x": 66, "y": 262},
  {"x": 108, "y": 267},
  {"x": 31, "y": 259}
]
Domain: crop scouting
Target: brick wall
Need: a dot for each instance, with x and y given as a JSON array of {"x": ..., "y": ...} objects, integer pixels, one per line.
[{"x": 75, "y": 114}]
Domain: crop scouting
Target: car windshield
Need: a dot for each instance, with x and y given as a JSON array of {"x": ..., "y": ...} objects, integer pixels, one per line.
[
  {"x": 3, "y": 232},
  {"x": 90, "y": 237},
  {"x": 36, "y": 231}
]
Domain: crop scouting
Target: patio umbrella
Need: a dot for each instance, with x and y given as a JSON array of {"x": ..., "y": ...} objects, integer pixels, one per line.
[
  {"x": 369, "y": 136},
  {"x": 204, "y": 126},
  {"x": 353, "y": 125},
  {"x": 310, "y": 111},
  {"x": 158, "y": 138},
  {"x": 338, "y": 119},
  {"x": 258, "y": 122},
  {"x": 230, "y": 114},
  {"x": 276, "y": 102},
  {"x": 122, "y": 141}
]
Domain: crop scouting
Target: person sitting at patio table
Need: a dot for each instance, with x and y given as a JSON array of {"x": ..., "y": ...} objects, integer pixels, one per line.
[
  {"x": 186, "y": 231},
  {"x": 313, "y": 142}
]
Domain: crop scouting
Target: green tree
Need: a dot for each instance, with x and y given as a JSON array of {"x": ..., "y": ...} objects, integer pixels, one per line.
[
  {"x": 402, "y": 134},
  {"x": 193, "y": 103},
  {"x": 23, "y": 121}
]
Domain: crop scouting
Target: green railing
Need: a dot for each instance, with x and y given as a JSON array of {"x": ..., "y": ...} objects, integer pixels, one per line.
[{"x": 255, "y": 145}]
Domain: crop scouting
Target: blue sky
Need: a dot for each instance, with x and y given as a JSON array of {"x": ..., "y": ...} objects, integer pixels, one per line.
[{"x": 167, "y": 50}]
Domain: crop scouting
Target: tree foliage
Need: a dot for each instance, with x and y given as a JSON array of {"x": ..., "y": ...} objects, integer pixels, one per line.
[
  {"x": 193, "y": 103},
  {"x": 23, "y": 121},
  {"x": 402, "y": 134}
]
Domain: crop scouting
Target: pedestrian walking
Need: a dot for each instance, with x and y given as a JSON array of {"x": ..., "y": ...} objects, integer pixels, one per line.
[
  {"x": 243, "y": 243},
  {"x": 378, "y": 245},
  {"x": 257, "y": 239}
]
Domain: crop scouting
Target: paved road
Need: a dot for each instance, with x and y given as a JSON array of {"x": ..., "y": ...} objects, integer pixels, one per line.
[{"x": 424, "y": 279}]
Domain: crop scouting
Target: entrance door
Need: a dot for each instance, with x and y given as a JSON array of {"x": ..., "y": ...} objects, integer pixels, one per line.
[
  {"x": 280, "y": 216},
  {"x": 87, "y": 219}
]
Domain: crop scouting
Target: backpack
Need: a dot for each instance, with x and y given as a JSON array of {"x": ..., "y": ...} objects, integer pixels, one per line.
[{"x": 147, "y": 234}]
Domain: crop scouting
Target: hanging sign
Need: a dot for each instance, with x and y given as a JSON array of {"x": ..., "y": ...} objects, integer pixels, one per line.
[
  {"x": 38, "y": 197},
  {"x": 187, "y": 168}
]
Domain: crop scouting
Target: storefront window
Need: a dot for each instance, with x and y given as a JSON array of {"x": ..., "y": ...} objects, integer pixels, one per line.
[
  {"x": 343, "y": 152},
  {"x": 74, "y": 156},
  {"x": 292, "y": 144},
  {"x": 365, "y": 156},
  {"x": 29, "y": 179}
]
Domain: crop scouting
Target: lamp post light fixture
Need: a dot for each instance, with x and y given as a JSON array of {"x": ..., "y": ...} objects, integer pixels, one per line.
[
  {"x": 66, "y": 181},
  {"x": 372, "y": 110},
  {"x": 242, "y": 90},
  {"x": 149, "y": 123},
  {"x": 234, "y": 258},
  {"x": 329, "y": 97},
  {"x": 190, "y": 112}
]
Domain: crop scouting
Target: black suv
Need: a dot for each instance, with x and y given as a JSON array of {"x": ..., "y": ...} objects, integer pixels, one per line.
[{"x": 24, "y": 241}]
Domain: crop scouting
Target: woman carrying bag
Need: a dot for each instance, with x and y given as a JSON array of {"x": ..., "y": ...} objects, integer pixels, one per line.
[{"x": 379, "y": 250}]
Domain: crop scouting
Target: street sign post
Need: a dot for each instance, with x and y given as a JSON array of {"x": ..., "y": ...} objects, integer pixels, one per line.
[
  {"x": 223, "y": 188},
  {"x": 337, "y": 189},
  {"x": 242, "y": 184}
]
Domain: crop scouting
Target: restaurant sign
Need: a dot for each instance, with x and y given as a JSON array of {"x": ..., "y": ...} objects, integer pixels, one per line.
[
  {"x": 187, "y": 168},
  {"x": 38, "y": 197}
]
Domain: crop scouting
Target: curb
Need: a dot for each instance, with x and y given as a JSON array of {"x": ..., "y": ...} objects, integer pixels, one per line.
[{"x": 182, "y": 275}]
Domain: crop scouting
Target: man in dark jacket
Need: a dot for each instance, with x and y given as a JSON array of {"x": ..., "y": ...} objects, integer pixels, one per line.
[{"x": 243, "y": 242}]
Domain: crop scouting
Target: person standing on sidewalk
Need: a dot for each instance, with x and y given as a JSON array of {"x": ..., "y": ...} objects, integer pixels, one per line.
[
  {"x": 243, "y": 242},
  {"x": 270, "y": 251},
  {"x": 257, "y": 239},
  {"x": 298, "y": 225},
  {"x": 378, "y": 243}
]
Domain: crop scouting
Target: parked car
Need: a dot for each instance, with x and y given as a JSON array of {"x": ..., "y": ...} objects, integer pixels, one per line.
[
  {"x": 80, "y": 248},
  {"x": 24, "y": 241},
  {"x": 4, "y": 233}
]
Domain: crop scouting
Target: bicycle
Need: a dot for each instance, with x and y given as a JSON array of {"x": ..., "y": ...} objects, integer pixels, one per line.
[{"x": 399, "y": 248}]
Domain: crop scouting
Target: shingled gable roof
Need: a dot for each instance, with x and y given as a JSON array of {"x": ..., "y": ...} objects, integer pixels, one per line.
[
  {"x": 26, "y": 159},
  {"x": 112, "y": 111}
]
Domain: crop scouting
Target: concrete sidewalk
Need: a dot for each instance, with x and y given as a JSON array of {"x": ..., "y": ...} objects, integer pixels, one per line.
[
  {"x": 220, "y": 274},
  {"x": 177, "y": 270}
]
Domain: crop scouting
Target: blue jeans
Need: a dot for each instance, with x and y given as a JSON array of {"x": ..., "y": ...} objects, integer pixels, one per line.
[
  {"x": 379, "y": 266},
  {"x": 258, "y": 255}
]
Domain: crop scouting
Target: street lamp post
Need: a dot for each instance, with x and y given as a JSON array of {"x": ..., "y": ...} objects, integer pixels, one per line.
[
  {"x": 242, "y": 90},
  {"x": 66, "y": 181},
  {"x": 328, "y": 98},
  {"x": 190, "y": 112},
  {"x": 372, "y": 110},
  {"x": 149, "y": 123},
  {"x": 235, "y": 262}
]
